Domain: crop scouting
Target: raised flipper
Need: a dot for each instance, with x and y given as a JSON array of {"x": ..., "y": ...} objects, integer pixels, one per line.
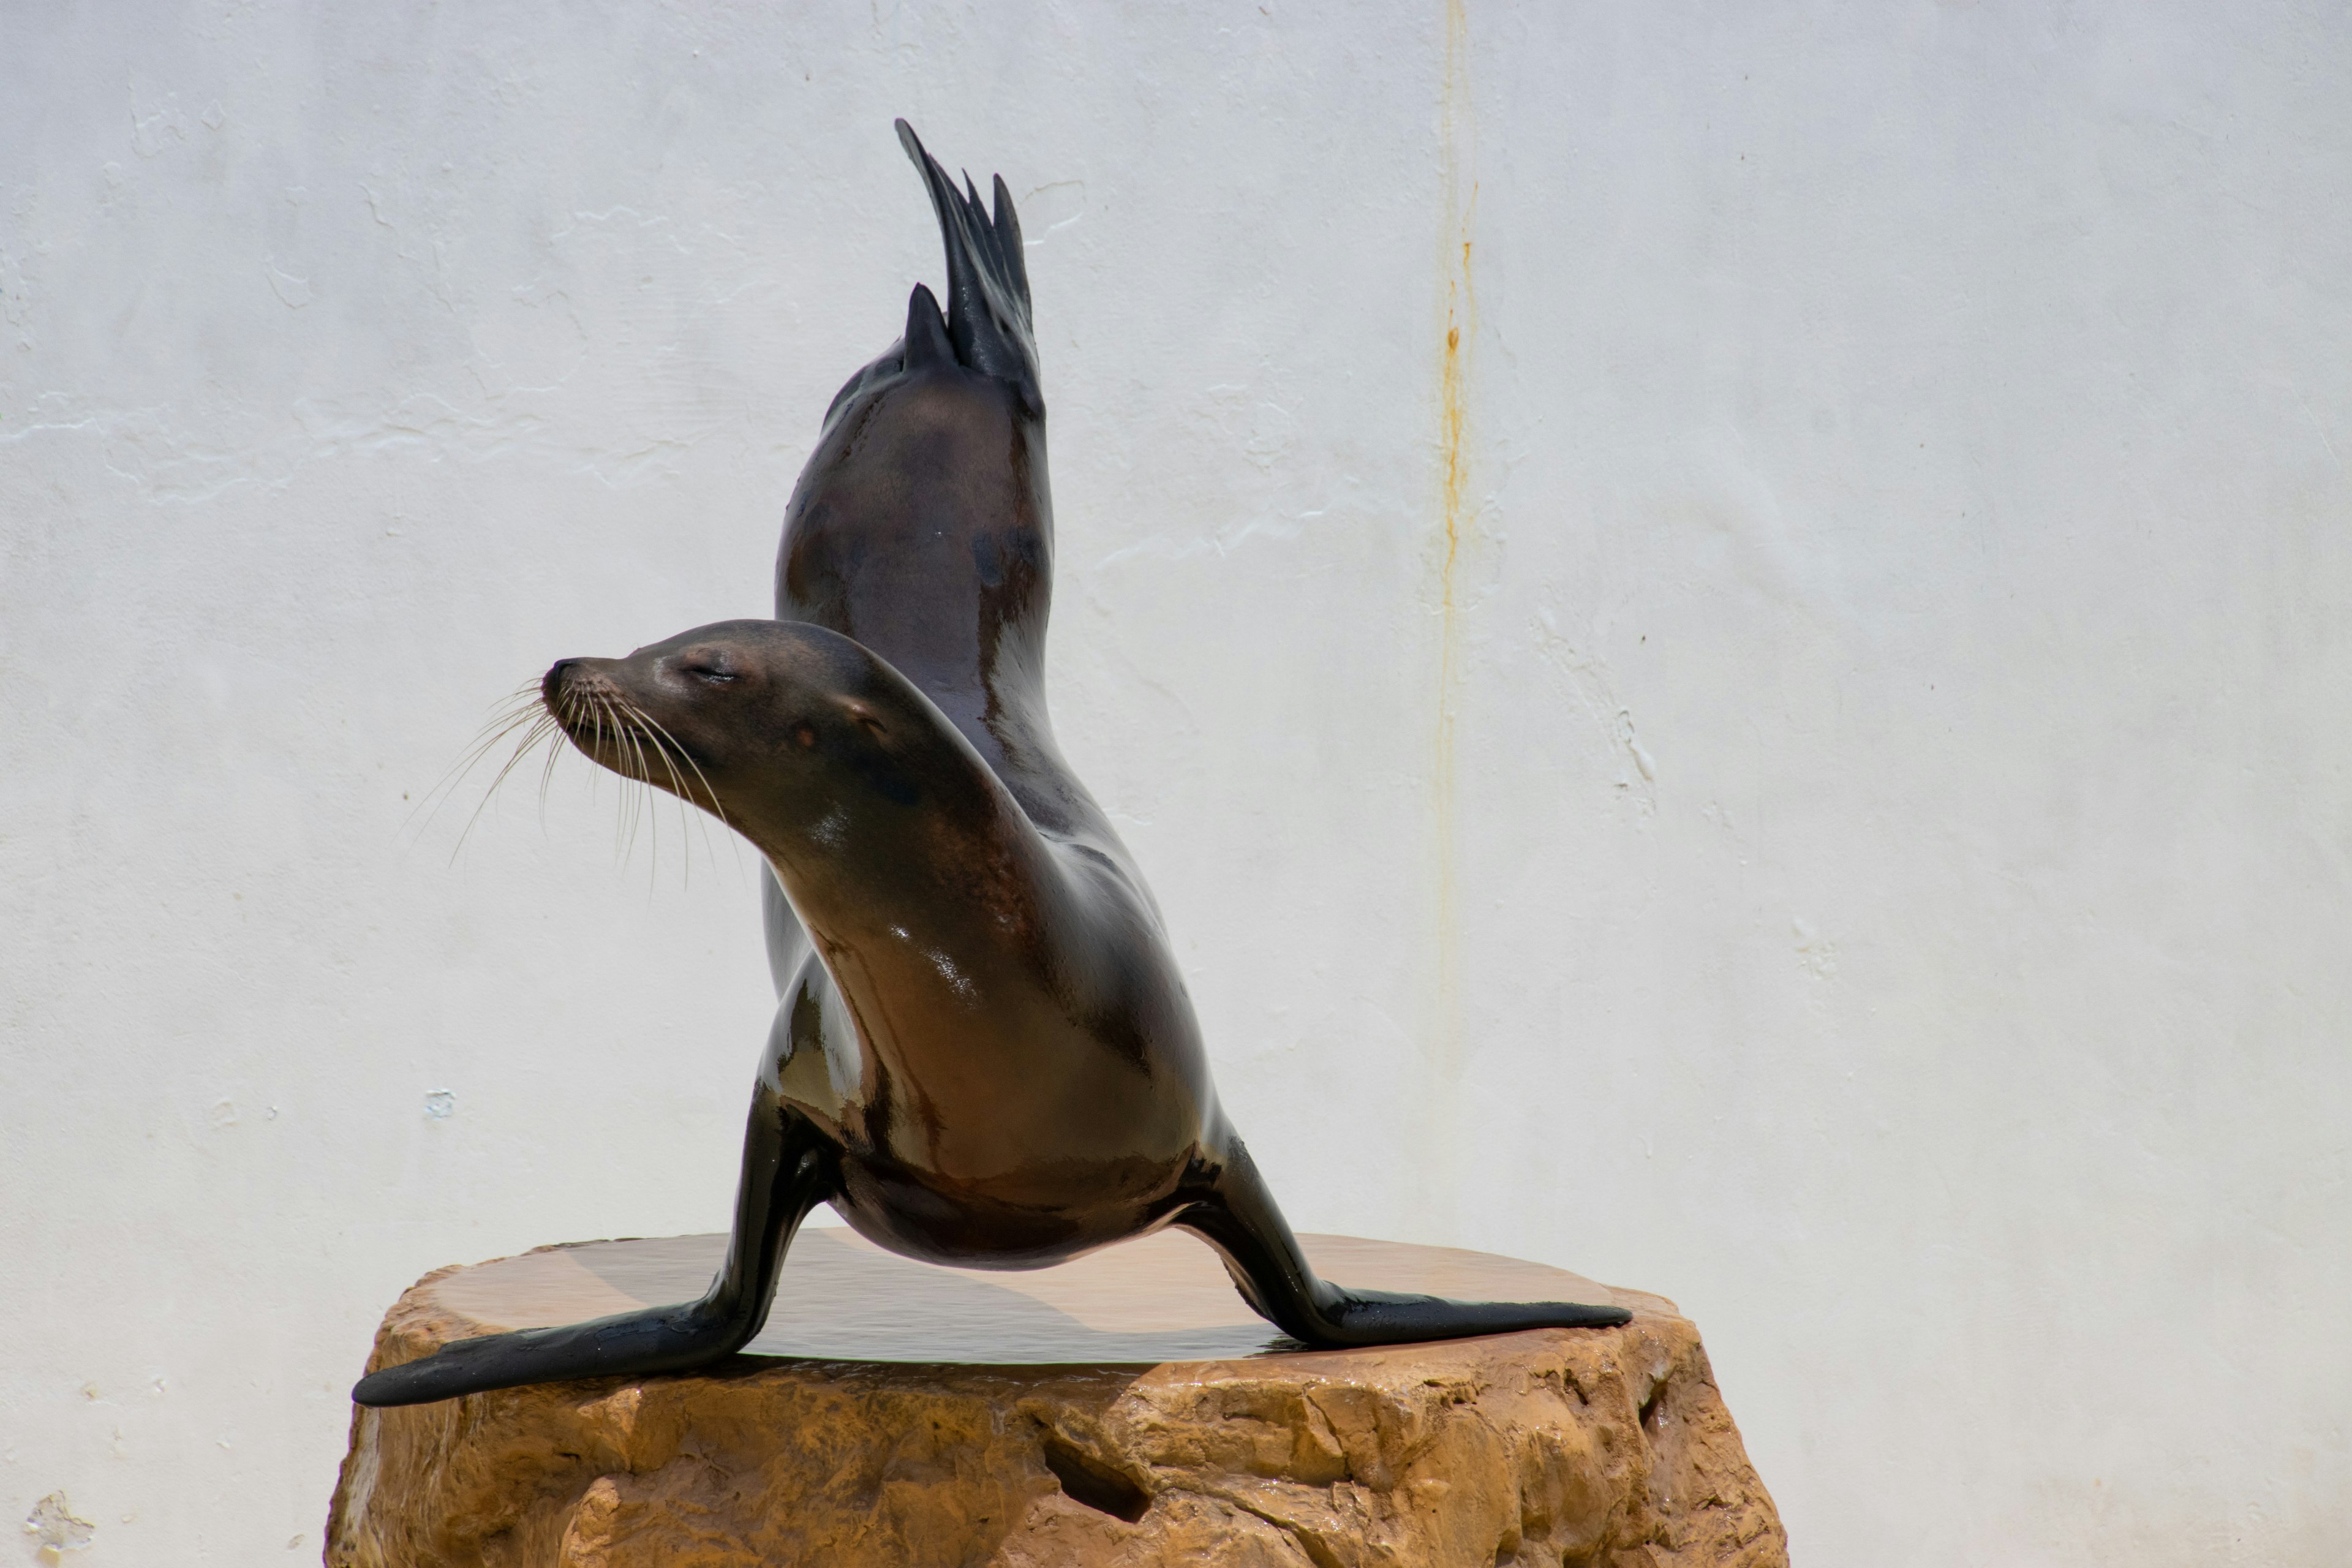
[
  {"x": 1236, "y": 1215},
  {"x": 789, "y": 1167}
]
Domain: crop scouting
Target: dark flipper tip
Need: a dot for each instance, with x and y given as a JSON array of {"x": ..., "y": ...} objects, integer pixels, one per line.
[
  {"x": 926, "y": 337},
  {"x": 1376, "y": 1317},
  {"x": 412, "y": 1382},
  {"x": 385, "y": 1389},
  {"x": 988, "y": 277},
  {"x": 629, "y": 1344}
]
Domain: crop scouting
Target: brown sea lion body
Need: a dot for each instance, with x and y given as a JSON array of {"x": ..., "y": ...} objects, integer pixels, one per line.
[{"x": 983, "y": 1053}]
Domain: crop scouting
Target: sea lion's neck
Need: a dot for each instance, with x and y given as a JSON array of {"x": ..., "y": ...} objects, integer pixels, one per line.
[
  {"x": 923, "y": 529},
  {"x": 1009, "y": 727}
]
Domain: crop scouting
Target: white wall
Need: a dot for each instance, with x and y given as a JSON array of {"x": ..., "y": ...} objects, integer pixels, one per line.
[{"x": 1857, "y": 839}]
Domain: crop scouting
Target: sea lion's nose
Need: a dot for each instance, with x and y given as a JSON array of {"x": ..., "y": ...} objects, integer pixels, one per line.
[{"x": 566, "y": 674}]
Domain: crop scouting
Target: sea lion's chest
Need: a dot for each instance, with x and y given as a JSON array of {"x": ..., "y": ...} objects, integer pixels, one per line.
[{"x": 970, "y": 1067}]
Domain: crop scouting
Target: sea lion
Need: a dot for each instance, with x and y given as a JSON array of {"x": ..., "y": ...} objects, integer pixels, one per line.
[{"x": 982, "y": 1051}]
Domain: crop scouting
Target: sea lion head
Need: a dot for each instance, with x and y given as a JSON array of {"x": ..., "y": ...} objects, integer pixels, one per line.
[{"x": 789, "y": 732}]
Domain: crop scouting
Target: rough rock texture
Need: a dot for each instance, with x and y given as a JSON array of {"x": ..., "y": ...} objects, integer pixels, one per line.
[{"x": 1607, "y": 1446}]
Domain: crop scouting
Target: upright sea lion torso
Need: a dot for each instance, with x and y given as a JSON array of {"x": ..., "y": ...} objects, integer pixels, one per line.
[
  {"x": 982, "y": 1051},
  {"x": 1028, "y": 1079}
]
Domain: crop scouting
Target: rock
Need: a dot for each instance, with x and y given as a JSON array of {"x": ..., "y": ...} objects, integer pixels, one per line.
[{"x": 1125, "y": 1409}]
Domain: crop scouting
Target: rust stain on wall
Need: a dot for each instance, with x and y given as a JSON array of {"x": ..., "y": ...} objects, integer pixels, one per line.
[{"x": 1459, "y": 196}]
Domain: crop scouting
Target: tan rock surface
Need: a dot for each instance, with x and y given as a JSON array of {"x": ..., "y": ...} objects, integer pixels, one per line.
[{"x": 1192, "y": 1436}]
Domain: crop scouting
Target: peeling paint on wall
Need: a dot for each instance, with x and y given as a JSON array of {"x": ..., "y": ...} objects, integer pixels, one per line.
[{"x": 55, "y": 1527}]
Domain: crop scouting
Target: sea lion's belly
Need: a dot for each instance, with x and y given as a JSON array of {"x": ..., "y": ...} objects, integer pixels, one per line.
[
  {"x": 982, "y": 1122},
  {"x": 917, "y": 1214},
  {"x": 1022, "y": 1147}
]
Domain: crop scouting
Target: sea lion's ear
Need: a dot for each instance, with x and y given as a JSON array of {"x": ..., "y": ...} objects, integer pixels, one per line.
[
  {"x": 926, "y": 340},
  {"x": 988, "y": 278}
]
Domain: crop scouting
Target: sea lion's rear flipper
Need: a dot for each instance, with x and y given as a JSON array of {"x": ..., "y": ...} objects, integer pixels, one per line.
[
  {"x": 1236, "y": 1215},
  {"x": 789, "y": 1167}
]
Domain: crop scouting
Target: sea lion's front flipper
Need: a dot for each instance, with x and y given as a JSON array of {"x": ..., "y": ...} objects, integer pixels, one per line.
[
  {"x": 988, "y": 318},
  {"x": 789, "y": 1167},
  {"x": 1236, "y": 1215}
]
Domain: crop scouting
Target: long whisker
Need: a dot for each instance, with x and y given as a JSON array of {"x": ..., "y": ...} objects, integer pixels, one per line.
[
  {"x": 523, "y": 722},
  {"x": 500, "y": 725},
  {"x": 639, "y": 803},
  {"x": 645, "y": 724},
  {"x": 709, "y": 796},
  {"x": 594, "y": 703},
  {"x": 539, "y": 730},
  {"x": 554, "y": 754},
  {"x": 515, "y": 711},
  {"x": 677, "y": 780},
  {"x": 522, "y": 700},
  {"x": 627, "y": 741},
  {"x": 597, "y": 723},
  {"x": 595, "y": 713}
]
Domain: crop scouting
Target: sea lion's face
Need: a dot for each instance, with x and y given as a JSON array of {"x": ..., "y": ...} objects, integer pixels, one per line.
[{"x": 775, "y": 726}]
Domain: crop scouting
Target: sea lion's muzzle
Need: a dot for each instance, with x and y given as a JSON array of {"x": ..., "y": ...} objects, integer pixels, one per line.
[
  {"x": 580, "y": 690},
  {"x": 596, "y": 713},
  {"x": 602, "y": 712},
  {"x": 573, "y": 680}
]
